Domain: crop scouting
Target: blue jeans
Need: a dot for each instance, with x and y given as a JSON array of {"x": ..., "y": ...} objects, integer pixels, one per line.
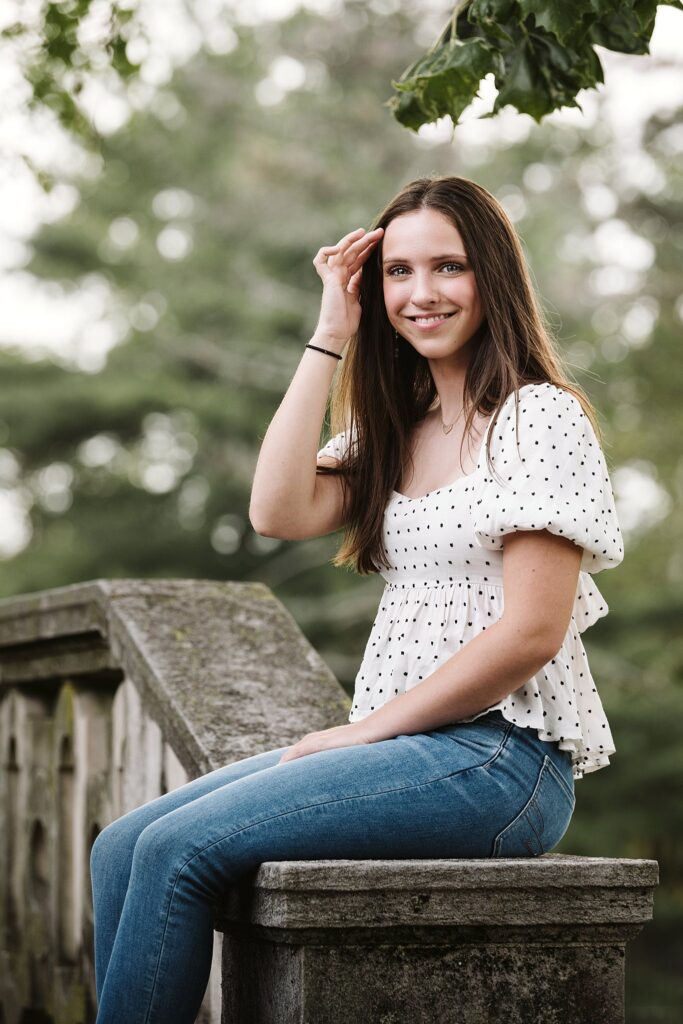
[{"x": 486, "y": 788}]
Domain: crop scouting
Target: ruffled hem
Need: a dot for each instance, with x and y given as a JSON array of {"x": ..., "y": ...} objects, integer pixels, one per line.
[
  {"x": 561, "y": 701},
  {"x": 584, "y": 760}
]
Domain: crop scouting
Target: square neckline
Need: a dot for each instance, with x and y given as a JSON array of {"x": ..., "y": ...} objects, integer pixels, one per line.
[
  {"x": 437, "y": 490},
  {"x": 463, "y": 476},
  {"x": 453, "y": 483}
]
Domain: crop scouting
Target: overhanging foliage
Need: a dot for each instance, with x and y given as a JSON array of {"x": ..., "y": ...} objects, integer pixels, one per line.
[{"x": 540, "y": 52}]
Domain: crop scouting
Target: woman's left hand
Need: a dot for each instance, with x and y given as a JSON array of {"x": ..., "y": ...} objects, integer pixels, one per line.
[{"x": 339, "y": 736}]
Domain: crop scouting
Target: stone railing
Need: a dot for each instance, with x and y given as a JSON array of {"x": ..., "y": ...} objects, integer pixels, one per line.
[
  {"x": 509, "y": 941},
  {"x": 114, "y": 692}
]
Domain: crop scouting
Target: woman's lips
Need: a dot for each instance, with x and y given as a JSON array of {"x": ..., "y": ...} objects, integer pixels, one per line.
[{"x": 433, "y": 324}]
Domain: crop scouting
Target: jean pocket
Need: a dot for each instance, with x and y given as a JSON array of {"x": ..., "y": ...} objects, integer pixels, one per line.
[{"x": 543, "y": 820}]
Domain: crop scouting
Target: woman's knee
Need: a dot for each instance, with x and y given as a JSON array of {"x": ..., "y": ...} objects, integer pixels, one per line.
[
  {"x": 161, "y": 848},
  {"x": 114, "y": 845}
]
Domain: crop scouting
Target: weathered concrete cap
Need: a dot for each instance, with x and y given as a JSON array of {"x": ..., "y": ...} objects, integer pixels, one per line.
[
  {"x": 222, "y": 667},
  {"x": 551, "y": 889}
]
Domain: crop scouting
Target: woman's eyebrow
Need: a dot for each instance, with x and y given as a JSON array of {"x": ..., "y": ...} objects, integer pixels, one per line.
[{"x": 435, "y": 259}]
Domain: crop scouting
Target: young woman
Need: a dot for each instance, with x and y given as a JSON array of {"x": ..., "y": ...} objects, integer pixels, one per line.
[{"x": 467, "y": 470}]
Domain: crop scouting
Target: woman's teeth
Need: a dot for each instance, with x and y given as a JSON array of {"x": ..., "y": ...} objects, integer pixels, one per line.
[{"x": 430, "y": 319}]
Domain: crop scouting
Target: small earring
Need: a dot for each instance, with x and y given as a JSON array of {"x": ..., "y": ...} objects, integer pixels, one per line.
[{"x": 396, "y": 343}]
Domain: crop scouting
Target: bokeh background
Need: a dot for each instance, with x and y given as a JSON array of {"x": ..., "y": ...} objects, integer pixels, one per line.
[{"x": 156, "y": 296}]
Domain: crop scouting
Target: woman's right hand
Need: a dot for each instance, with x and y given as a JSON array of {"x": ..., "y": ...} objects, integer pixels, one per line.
[{"x": 340, "y": 267}]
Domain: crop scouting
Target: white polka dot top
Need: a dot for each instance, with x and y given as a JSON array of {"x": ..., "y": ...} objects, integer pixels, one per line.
[{"x": 445, "y": 583}]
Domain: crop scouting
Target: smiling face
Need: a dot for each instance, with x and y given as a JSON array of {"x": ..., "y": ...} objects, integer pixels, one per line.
[{"x": 426, "y": 274}]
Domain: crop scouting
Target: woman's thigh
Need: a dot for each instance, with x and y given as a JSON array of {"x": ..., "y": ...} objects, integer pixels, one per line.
[
  {"x": 125, "y": 830},
  {"x": 448, "y": 793}
]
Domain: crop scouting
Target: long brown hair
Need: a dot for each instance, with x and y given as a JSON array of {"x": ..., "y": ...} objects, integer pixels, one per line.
[{"x": 377, "y": 397}]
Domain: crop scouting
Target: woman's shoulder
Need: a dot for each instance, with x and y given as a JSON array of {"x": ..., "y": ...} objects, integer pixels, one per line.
[
  {"x": 544, "y": 403},
  {"x": 546, "y": 418},
  {"x": 545, "y": 392},
  {"x": 548, "y": 472}
]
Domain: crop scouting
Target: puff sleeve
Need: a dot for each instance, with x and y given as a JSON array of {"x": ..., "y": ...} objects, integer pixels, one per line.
[{"x": 549, "y": 475}]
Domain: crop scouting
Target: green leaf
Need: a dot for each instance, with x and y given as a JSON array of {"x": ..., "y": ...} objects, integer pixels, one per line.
[
  {"x": 489, "y": 12},
  {"x": 407, "y": 109},
  {"x": 445, "y": 81},
  {"x": 541, "y": 51},
  {"x": 488, "y": 20},
  {"x": 523, "y": 85},
  {"x": 569, "y": 23},
  {"x": 541, "y": 75},
  {"x": 620, "y": 28}
]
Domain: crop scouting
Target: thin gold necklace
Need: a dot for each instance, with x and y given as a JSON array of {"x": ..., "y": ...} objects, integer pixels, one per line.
[{"x": 450, "y": 425}]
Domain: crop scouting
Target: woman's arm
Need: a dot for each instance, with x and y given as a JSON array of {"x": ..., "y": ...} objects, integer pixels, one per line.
[
  {"x": 284, "y": 481},
  {"x": 540, "y": 577}
]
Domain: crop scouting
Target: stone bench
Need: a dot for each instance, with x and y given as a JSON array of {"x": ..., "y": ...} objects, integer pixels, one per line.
[{"x": 518, "y": 941}]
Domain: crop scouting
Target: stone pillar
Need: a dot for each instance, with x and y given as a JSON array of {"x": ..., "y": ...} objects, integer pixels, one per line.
[{"x": 500, "y": 941}]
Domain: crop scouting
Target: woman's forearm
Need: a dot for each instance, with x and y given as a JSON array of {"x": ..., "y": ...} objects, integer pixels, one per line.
[
  {"x": 284, "y": 478},
  {"x": 488, "y": 668}
]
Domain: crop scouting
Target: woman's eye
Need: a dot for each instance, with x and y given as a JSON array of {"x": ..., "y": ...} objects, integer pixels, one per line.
[{"x": 392, "y": 271}]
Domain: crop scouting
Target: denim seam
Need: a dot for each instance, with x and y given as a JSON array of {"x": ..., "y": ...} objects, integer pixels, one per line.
[
  {"x": 527, "y": 805},
  {"x": 501, "y": 746},
  {"x": 570, "y": 795}
]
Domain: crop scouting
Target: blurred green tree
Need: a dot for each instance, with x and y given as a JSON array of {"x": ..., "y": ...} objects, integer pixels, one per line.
[{"x": 540, "y": 54}]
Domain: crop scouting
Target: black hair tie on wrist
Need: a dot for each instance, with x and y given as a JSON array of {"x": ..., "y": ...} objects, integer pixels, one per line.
[{"x": 326, "y": 351}]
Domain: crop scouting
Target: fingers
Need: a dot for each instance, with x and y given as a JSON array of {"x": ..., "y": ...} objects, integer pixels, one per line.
[
  {"x": 352, "y": 246},
  {"x": 328, "y": 250},
  {"x": 354, "y": 282},
  {"x": 324, "y": 253},
  {"x": 353, "y": 238},
  {"x": 362, "y": 255},
  {"x": 357, "y": 248}
]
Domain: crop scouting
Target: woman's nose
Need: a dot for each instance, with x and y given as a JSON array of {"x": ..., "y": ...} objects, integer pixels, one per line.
[{"x": 424, "y": 289}]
